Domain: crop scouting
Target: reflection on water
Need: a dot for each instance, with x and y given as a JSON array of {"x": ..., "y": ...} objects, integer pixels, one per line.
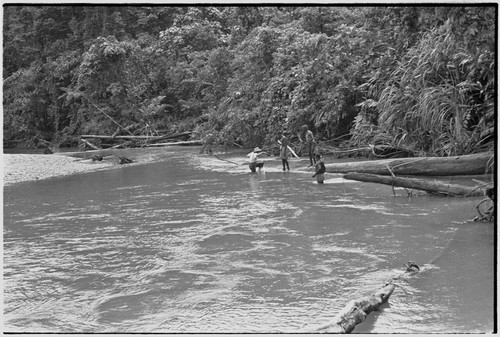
[{"x": 197, "y": 244}]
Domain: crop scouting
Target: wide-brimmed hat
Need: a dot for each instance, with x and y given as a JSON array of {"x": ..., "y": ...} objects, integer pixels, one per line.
[{"x": 257, "y": 149}]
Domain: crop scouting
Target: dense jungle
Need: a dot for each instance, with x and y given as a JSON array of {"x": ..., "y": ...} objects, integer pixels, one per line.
[{"x": 418, "y": 78}]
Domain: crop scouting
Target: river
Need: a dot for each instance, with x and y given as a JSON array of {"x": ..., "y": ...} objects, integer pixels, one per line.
[{"x": 194, "y": 244}]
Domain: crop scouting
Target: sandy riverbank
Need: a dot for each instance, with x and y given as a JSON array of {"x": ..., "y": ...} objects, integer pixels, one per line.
[{"x": 27, "y": 167}]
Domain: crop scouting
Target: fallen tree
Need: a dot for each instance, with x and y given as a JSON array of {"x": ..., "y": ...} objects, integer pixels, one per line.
[
  {"x": 184, "y": 135},
  {"x": 143, "y": 137},
  {"x": 125, "y": 141},
  {"x": 474, "y": 164},
  {"x": 92, "y": 146},
  {"x": 121, "y": 137},
  {"x": 431, "y": 186},
  {"x": 185, "y": 143},
  {"x": 371, "y": 151}
]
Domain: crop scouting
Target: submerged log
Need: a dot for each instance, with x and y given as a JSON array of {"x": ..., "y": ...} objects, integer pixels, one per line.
[
  {"x": 474, "y": 164},
  {"x": 123, "y": 160},
  {"x": 356, "y": 311},
  {"x": 431, "y": 186}
]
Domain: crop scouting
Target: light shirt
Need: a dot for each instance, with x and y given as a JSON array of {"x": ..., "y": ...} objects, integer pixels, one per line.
[
  {"x": 253, "y": 157},
  {"x": 309, "y": 136}
]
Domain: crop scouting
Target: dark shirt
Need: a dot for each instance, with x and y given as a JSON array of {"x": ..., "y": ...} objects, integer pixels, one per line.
[{"x": 320, "y": 168}]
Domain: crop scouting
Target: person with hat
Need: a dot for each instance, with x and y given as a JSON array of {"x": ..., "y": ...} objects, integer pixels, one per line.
[{"x": 254, "y": 163}]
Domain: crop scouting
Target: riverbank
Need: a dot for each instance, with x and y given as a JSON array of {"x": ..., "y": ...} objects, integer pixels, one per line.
[{"x": 28, "y": 167}]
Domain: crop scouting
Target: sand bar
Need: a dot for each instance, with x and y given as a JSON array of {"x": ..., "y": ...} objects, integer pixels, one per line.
[{"x": 27, "y": 167}]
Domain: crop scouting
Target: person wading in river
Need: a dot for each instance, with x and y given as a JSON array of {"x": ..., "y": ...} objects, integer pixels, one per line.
[
  {"x": 284, "y": 152},
  {"x": 254, "y": 163},
  {"x": 307, "y": 136},
  {"x": 320, "y": 170}
]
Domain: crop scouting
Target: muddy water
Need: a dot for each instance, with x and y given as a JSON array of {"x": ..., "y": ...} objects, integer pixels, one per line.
[{"x": 196, "y": 244}]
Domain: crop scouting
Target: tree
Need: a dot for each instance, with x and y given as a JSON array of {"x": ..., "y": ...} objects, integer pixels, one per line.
[{"x": 373, "y": 74}]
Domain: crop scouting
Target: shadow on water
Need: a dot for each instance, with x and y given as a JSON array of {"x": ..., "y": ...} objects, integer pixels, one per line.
[{"x": 192, "y": 243}]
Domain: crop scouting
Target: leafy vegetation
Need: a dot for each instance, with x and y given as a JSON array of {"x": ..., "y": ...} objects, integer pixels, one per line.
[{"x": 419, "y": 78}]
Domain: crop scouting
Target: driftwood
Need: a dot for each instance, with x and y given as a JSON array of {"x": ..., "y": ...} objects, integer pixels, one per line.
[
  {"x": 90, "y": 145},
  {"x": 124, "y": 160},
  {"x": 120, "y": 137},
  {"x": 132, "y": 137},
  {"x": 186, "y": 143},
  {"x": 356, "y": 311},
  {"x": 176, "y": 135},
  {"x": 432, "y": 186},
  {"x": 474, "y": 164}
]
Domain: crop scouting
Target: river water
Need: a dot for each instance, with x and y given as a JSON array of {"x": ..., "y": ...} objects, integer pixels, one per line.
[{"x": 194, "y": 244}]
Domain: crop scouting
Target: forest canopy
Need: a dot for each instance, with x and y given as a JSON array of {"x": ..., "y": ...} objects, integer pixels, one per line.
[{"x": 419, "y": 77}]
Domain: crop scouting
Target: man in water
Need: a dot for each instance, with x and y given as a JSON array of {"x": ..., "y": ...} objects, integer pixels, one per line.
[
  {"x": 253, "y": 159},
  {"x": 284, "y": 153},
  {"x": 309, "y": 141},
  {"x": 320, "y": 170}
]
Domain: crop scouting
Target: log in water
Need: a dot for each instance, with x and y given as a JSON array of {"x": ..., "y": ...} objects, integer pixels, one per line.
[
  {"x": 429, "y": 185},
  {"x": 428, "y": 166},
  {"x": 356, "y": 311}
]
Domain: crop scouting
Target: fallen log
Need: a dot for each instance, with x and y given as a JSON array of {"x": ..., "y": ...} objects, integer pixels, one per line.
[
  {"x": 124, "y": 160},
  {"x": 474, "y": 164},
  {"x": 120, "y": 137},
  {"x": 176, "y": 135},
  {"x": 92, "y": 146},
  {"x": 185, "y": 143},
  {"x": 356, "y": 311},
  {"x": 140, "y": 137},
  {"x": 431, "y": 186}
]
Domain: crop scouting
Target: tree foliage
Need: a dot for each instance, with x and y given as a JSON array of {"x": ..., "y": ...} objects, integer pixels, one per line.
[{"x": 406, "y": 76}]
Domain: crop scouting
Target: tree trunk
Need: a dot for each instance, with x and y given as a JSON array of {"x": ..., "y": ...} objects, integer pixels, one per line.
[
  {"x": 147, "y": 138},
  {"x": 120, "y": 137},
  {"x": 176, "y": 135},
  {"x": 90, "y": 145},
  {"x": 474, "y": 164},
  {"x": 188, "y": 142},
  {"x": 432, "y": 186}
]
